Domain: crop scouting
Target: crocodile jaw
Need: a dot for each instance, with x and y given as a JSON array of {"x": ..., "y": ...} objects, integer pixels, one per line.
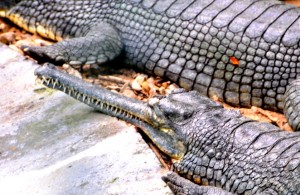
[{"x": 136, "y": 112}]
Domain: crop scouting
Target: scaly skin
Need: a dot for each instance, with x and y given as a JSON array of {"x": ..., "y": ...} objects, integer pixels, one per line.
[
  {"x": 245, "y": 52},
  {"x": 217, "y": 148}
]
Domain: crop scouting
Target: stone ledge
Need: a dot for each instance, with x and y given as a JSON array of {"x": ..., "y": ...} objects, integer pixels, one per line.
[{"x": 52, "y": 144}]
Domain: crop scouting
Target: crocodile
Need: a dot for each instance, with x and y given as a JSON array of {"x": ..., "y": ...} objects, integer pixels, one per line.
[
  {"x": 220, "y": 149},
  {"x": 244, "y": 52}
]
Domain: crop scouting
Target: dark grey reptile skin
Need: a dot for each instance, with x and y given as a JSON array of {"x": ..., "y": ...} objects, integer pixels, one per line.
[
  {"x": 292, "y": 104},
  {"x": 230, "y": 151},
  {"x": 245, "y": 52}
]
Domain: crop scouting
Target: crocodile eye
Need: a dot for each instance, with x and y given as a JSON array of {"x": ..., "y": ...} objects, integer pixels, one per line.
[{"x": 176, "y": 111}]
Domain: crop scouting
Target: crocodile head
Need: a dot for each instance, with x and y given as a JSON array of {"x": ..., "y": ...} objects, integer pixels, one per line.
[
  {"x": 181, "y": 109},
  {"x": 161, "y": 119}
]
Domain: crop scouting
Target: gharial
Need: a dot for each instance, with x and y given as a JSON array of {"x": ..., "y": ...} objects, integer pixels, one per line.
[
  {"x": 245, "y": 52},
  {"x": 214, "y": 146}
]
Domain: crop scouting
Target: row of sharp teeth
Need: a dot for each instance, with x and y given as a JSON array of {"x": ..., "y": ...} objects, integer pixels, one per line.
[{"x": 85, "y": 98}]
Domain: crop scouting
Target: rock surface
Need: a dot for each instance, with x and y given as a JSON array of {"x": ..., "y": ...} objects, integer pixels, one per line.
[{"x": 52, "y": 144}]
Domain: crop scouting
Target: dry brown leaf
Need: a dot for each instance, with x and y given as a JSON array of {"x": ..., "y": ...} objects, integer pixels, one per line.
[
  {"x": 145, "y": 87},
  {"x": 7, "y": 38},
  {"x": 234, "y": 60}
]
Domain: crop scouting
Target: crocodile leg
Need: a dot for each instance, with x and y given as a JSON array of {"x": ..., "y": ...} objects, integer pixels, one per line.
[
  {"x": 180, "y": 185},
  {"x": 100, "y": 44}
]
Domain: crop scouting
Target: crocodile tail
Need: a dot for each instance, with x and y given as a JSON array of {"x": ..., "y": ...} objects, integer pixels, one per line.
[{"x": 5, "y": 5}]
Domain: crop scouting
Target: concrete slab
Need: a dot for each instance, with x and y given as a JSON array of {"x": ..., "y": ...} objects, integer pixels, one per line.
[{"x": 52, "y": 144}]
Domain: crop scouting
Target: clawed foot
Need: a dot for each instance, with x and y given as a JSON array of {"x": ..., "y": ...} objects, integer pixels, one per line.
[
  {"x": 43, "y": 54},
  {"x": 180, "y": 185}
]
